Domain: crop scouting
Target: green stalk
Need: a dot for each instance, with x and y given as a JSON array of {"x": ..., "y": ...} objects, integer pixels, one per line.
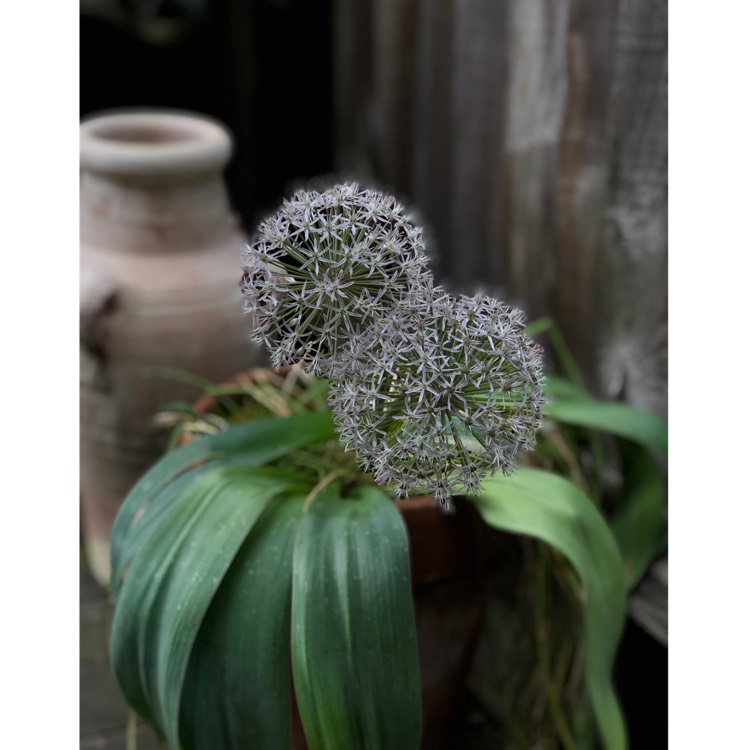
[
  {"x": 553, "y": 698},
  {"x": 131, "y": 731},
  {"x": 567, "y": 360}
]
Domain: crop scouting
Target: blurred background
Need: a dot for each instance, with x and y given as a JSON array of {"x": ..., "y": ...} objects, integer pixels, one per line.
[{"x": 530, "y": 137}]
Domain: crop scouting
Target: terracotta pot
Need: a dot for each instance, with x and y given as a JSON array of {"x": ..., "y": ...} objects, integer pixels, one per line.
[
  {"x": 160, "y": 267},
  {"x": 449, "y": 555}
]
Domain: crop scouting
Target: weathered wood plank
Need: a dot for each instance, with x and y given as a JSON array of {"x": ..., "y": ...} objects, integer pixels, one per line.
[
  {"x": 391, "y": 117},
  {"x": 432, "y": 161},
  {"x": 632, "y": 300},
  {"x": 537, "y": 89},
  {"x": 477, "y": 127},
  {"x": 352, "y": 56},
  {"x": 532, "y": 136},
  {"x": 583, "y": 180}
]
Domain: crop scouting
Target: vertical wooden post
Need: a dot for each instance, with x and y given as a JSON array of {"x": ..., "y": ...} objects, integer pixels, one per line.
[{"x": 532, "y": 136}]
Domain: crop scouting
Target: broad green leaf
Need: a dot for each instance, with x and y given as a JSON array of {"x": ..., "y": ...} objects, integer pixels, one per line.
[
  {"x": 574, "y": 406},
  {"x": 237, "y": 687},
  {"x": 552, "y": 509},
  {"x": 562, "y": 388},
  {"x": 639, "y": 524},
  {"x": 170, "y": 583},
  {"x": 251, "y": 444},
  {"x": 126, "y": 541},
  {"x": 354, "y": 649}
]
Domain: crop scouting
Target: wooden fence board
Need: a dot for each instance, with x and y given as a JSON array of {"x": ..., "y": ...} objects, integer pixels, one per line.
[{"x": 531, "y": 135}]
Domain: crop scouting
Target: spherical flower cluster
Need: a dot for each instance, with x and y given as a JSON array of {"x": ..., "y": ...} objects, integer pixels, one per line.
[
  {"x": 325, "y": 266},
  {"x": 439, "y": 393},
  {"x": 433, "y": 392}
]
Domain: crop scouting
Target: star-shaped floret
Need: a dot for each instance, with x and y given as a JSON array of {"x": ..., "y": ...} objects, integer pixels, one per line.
[{"x": 439, "y": 393}]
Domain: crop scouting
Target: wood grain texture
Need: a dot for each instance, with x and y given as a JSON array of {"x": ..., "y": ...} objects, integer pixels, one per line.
[
  {"x": 352, "y": 57},
  {"x": 581, "y": 190},
  {"x": 477, "y": 126},
  {"x": 537, "y": 90},
  {"x": 432, "y": 162},
  {"x": 394, "y": 31},
  {"x": 632, "y": 284},
  {"x": 531, "y": 135}
]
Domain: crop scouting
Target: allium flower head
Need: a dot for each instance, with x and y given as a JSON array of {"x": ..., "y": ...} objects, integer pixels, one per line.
[
  {"x": 440, "y": 393},
  {"x": 326, "y": 265}
]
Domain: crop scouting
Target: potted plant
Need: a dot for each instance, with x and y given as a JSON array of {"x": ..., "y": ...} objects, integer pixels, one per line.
[
  {"x": 449, "y": 554},
  {"x": 264, "y": 569}
]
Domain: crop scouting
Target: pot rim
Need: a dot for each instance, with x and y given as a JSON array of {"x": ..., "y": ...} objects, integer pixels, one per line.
[
  {"x": 415, "y": 503},
  {"x": 153, "y": 142},
  {"x": 442, "y": 546}
]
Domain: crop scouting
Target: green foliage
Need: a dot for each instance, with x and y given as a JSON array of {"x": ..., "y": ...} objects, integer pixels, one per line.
[
  {"x": 225, "y": 564},
  {"x": 354, "y": 643},
  {"x": 638, "y": 521},
  {"x": 259, "y": 551},
  {"x": 574, "y": 406},
  {"x": 639, "y": 524},
  {"x": 250, "y": 444},
  {"x": 237, "y": 687},
  {"x": 259, "y": 560},
  {"x": 615, "y": 455},
  {"x": 549, "y": 508}
]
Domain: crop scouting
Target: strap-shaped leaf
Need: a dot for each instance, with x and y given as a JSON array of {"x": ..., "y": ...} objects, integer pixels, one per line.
[
  {"x": 354, "y": 650},
  {"x": 237, "y": 687},
  {"x": 572, "y": 405},
  {"x": 252, "y": 444},
  {"x": 170, "y": 583},
  {"x": 639, "y": 524},
  {"x": 127, "y": 540},
  {"x": 550, "y": 508}
]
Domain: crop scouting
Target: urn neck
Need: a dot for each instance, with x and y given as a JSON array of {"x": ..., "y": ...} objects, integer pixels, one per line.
[
  {"x": 152, "y": 182},
  {"x": 153, "y": 146}
]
